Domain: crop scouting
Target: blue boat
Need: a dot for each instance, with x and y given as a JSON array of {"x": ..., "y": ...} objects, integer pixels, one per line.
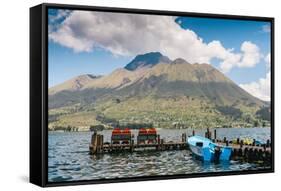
[
  {"x": 206, "y": 150},
  {"x": 259, "y": 143}
]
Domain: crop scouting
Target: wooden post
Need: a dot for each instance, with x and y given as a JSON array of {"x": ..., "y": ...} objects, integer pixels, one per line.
[
  {"x": 267, "y": 156},
  {"x": 267, "y": 143},
  {"x": 98, "y": 142},
  {"x": 132, "y": 145},
  {"x": 183, "y": 141},
  {"x": 237, "y": 141},
  {"x": 241, "y": 144},
  {"x": 207, "y": 133},
  {"x": 251, "y": 153},
  {"x": 260, "y": 155},
  {"x": 100, "y": 139},
  {"x": 158, "y": 141},
  {"x": 110, "y": 144},
  {"x": 215, "y": 134},
  {"x": 93, "y": 138},
  {"x": 102, "y": 143},
  {"x": 162, "y": 143},
  {"x": 246, "y": 153},
  {"x": 234, "y": 153},
  {"x": 94, "y": 142},
  {"x": 183, "y": 138},
  {"x": 256, "y": 154},
  {"x": 240, "y": 152}
]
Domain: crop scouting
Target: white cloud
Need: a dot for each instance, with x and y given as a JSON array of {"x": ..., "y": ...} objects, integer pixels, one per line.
[
  {"x": 54, "y": 20},
  {"x": 250, "y": 55},
  {"x": 266, "y": 28},
  {"x": 131, "y": 34},
  {"x": 259, "y": 89},
  {"x": 267, "y": 60}
]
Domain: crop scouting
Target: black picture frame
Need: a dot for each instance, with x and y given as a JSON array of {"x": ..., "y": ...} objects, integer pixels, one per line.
[{"x": 39, "y": 93}]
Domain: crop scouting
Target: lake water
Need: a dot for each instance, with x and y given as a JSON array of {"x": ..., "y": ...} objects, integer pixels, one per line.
[{"x": 69, "y": 159}]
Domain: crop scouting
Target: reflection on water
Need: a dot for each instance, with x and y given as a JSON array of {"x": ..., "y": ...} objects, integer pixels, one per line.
[{"x": 69, "y": 159}]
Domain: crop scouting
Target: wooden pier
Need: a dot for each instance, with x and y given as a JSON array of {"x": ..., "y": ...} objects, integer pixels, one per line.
[
  {"x": 153, "y": 142},
  {"x": 98, "y": 146}
]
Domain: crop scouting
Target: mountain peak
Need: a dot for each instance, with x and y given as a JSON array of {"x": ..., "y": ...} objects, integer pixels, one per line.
[
  {"x": 179, "y": 61},
  {"x": 86, "y": 76},
  {"x": 148, "y": 76},
  {"x": 147, "y": 60},
  {"x": 74, "y": 84}
]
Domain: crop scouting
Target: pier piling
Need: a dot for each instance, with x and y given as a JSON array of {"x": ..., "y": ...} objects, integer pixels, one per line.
[{"x": 215, "y": 135}]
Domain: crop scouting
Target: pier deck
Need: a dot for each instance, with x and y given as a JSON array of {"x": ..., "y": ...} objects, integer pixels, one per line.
[
  {"x": 240, "y": 150},
  {"x": 108, "y": 148}
]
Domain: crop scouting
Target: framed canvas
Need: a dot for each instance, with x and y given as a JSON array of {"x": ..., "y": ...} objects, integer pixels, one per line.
[{"x": 131, "y": 95}]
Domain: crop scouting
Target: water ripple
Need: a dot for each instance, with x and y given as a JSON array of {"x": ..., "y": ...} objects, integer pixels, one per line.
[{"x": 68, "y": 157}]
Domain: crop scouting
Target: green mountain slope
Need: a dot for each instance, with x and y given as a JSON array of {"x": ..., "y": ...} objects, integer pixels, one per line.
[{"x": 193, "y": 95}]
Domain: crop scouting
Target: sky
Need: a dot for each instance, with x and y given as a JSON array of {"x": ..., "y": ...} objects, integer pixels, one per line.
[{"x": 87, "y": 42}]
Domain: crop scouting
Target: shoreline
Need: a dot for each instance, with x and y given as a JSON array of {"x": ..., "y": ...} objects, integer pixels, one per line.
[{"x": 212, "y": 128}]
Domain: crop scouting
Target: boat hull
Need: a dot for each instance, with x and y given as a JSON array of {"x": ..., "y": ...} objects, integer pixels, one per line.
[{"x": 206, "y": 150}]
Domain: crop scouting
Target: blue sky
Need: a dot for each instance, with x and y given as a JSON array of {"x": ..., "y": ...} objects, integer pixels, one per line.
[
  {"x": 70, "y": 58},
  {"x": 65, "y": 64},
  {"x": 232, "y": 33}
]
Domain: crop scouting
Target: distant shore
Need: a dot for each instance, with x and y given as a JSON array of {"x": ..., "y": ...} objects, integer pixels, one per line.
[{"x": 77, "y": 129}]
